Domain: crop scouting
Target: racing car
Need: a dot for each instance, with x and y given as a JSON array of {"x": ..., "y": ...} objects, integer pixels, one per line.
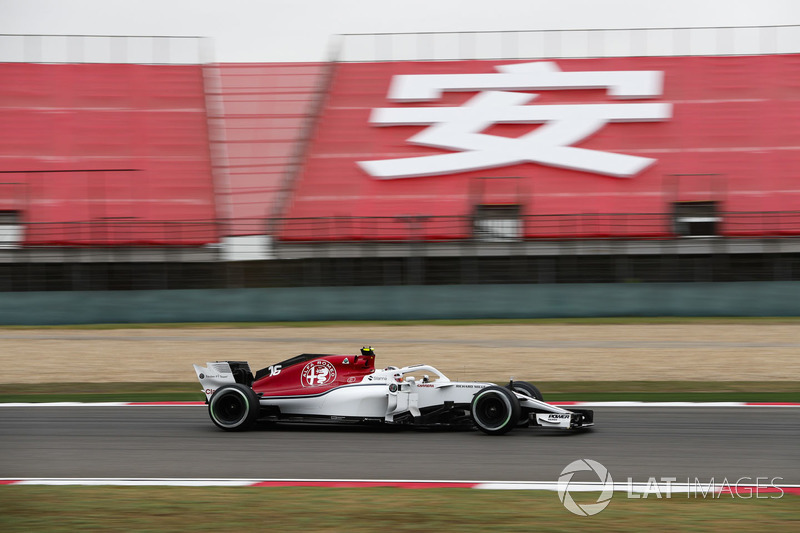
[{"x": 327, "y": 388}]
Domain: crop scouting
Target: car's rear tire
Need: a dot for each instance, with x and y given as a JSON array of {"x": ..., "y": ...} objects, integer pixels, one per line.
[
  {"x": 495, "y": 410},
  {"x": 523, "y": 387},
  {"x": 234, "y": 407}
]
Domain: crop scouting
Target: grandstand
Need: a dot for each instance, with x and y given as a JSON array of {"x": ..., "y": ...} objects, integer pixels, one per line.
[{"x": 140, "y": 163}]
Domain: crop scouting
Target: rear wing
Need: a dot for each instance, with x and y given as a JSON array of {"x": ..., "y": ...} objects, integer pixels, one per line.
[{"x": 214, "y": 376}]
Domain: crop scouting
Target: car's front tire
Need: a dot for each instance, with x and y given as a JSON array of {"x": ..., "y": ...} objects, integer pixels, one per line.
[
  {"x": 495, "y": 410},
  {"x": 234, "y": 407},
  {"x": 523, "y": 387}
]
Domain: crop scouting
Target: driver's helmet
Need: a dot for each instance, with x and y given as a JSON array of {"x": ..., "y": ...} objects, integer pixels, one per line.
[{"x": 397, "y": 376}]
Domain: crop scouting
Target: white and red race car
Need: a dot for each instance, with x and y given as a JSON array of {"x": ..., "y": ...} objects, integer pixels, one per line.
[{"x": 348, "y": 389}]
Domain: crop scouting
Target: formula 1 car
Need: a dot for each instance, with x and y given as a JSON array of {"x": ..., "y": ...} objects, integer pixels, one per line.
[{"x": 348, "y": 389}]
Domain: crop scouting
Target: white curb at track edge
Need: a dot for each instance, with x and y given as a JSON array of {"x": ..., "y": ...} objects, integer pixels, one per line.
[{"x": 639, "y": 488}]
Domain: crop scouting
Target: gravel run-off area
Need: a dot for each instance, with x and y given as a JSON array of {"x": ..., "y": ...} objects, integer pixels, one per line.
[{"x": 539, "y": 352}]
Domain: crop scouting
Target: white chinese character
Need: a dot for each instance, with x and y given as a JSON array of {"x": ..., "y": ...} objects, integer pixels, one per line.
[{"x": 459, "y": 128}]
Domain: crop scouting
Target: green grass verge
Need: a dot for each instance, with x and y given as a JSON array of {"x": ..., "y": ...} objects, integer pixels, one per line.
[
  {"x": 673, "y": 391},
  {"x": 375, "y": 509},
  {"x": 102, "y": 392},
  {"x": 660, "y": 391}
]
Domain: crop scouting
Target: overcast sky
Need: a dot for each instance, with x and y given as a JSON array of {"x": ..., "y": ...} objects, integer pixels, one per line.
[{"x": 301, "y": 30}]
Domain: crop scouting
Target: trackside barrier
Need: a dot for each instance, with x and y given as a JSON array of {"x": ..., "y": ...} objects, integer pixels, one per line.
[{"x": 409, "y": 302}]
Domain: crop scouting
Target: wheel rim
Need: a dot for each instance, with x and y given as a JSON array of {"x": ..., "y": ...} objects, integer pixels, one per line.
[
  {"x": 230, "y": 408},
  {"x": 492, "y": 411}
]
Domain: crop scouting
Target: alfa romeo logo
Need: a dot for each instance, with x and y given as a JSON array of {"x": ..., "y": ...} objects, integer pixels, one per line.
[
  {"x": 606, "y": 485},
  {"x": 317, "y": 373}
]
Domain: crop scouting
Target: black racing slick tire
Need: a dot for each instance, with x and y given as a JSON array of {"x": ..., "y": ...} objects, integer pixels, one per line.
[
  {"x": 495, "y": 410},
  {"x": 523, "y": 387},
  {"x": 234, "y": 407}
]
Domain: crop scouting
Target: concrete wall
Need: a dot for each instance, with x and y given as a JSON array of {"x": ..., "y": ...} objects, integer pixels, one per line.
[{"x": 403, "y": 302}]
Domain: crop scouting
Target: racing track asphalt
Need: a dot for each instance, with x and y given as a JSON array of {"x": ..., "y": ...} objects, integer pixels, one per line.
[{"x": 164, "y": 442}]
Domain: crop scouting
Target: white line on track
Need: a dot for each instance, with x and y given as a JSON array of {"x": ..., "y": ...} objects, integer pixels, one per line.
[
  {"x": 630, "y": 487},
  {"x": 562, "y": 404}
]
